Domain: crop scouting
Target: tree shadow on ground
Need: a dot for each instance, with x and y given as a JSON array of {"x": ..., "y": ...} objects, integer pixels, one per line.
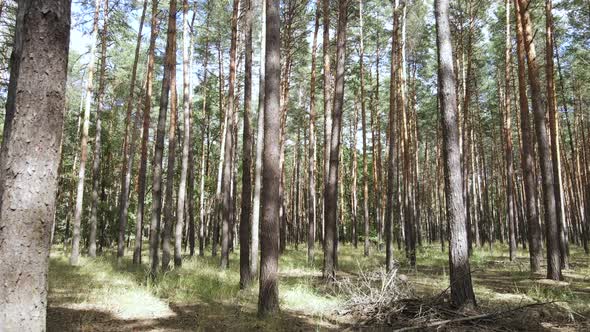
[{"x": 195, "y": 317}]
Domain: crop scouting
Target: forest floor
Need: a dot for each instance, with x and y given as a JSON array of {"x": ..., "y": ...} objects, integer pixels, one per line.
[{"x": 102, "y": 295}]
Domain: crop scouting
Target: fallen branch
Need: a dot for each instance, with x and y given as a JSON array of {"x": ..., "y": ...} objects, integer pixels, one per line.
[{"x": 470, "y": 318}]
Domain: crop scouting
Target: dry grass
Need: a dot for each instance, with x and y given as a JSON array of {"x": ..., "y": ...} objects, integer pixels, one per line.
[{"x": 101, "y": 295}]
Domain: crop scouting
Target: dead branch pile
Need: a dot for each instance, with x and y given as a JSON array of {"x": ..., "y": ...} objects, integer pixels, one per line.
[{"x": 386, "y": 299}]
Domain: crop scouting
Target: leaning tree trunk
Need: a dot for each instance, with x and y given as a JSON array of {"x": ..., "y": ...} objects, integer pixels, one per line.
[
  {"x": 551, "y": 227},
  {"x": 97, "y": 135},
  {"x": 84, "y": 141},
  {"x": 460, "y": 273},
  {"x": 147, "y": 107},
  {"x": 169, "y": 68},
  {"x": 30, "y": 155},
  {"x": 331, "y": 203},
  {"x": 268, "y": 295}
]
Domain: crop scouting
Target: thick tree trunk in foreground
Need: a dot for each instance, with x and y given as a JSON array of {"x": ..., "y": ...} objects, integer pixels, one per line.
[
  {"x": 460, "y": 273},
  {"x": 528, "y": 153},
  {"x": 84, "y": 141},
  {"x": 246, "y": 276},
  {"x": 331, "y": 203},
  {"x": 169, "y": 67},
  {"x": 147, "y": 107},
  {"x": 30, "y": 155},
  {"x": 551, "y": 227},
  {"x": 268, "y": 295},
  {"x": 226, "y": 180}
]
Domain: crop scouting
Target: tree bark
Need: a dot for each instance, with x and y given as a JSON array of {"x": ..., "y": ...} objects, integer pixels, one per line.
[
  {"x": 169, "y": 68},
  {"x": 246, "y": 276},
  {"x": 186, "y": 106},
  {"x": 30, "y": 156},
  {"x": 551, "y": 227},
  {"x": 528, "y": 153},
  {"x": 268, "y": 298},
  {"x": 460, "y": 273},
  {"x": 254, "y": 240},
  {"x": 331, "y": 203},
  {"x": 555, "y": 137},
  {"x": 172, "y": 145}
]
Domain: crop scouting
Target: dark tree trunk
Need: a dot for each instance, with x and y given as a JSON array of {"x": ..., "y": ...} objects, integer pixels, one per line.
[
  {"x": 30, "y": 155},
  {"x": 246, "y": 276},
  {"x": 268, "y": 298},
  {"x": 226, "y": 180},
  {"x": 331, "y": 203},
  {"x": 460, "y": 273},
  {"x": 172, "y": 145},
  {"x": 528, "y": 157},
  {"x": 169, "y": 68},
  {"x": 551, "y": 226},
  {"x": 555, "y": 136}
]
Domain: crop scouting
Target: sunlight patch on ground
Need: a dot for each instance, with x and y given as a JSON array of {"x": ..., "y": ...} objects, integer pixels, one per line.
[{"x": 137, "y": 304}]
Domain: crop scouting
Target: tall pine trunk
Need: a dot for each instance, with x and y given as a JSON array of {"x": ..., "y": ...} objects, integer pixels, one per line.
[
  {"x": 169, "y": 68},
  {"x": 331, "y": 203},
  {"x": 268, "y": 295},
  {"x": 551, "y": 226},
  {"x": 460, "y": 273},
  {"x": 246, "y": 275},
  {"x": 30, "y": 157}
]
